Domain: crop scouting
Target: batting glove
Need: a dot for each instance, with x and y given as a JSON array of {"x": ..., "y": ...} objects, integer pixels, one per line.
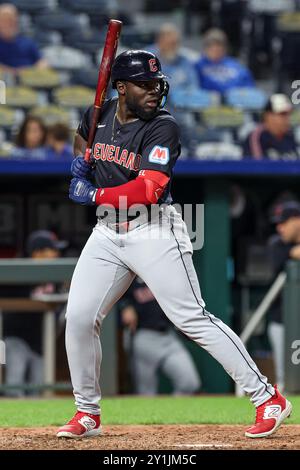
[
  {"x": 82, "y": 192},
  {"x": 80, "y": 168}
]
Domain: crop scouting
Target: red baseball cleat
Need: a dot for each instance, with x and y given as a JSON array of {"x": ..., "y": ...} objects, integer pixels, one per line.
[
  {"x": 270, "y": 415},
  {"x": 81, "y": 425}
]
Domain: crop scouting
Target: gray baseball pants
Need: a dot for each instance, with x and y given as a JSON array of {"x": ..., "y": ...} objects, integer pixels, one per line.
[{"x": 161, "y": 254}]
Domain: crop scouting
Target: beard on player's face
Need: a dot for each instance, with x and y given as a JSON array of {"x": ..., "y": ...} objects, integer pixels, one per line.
[{"x": 138, "y": 110}]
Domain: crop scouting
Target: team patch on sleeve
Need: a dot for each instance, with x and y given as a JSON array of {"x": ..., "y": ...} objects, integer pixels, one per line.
[{"x": 159, "y": 155}]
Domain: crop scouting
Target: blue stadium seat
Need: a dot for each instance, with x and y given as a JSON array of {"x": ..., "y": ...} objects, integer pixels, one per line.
[
  {"x": 87, "y": 77},
  {"x": 251, "y": 99},
  {"x": 46, "y": 38},
  {"x": 87, "y": 40},
  {"x": 193, "y": 100},
  {"x": 59, "y": 20},
  {"x": 134, "y": 38},
  {"x": 102, "y": 18},
  {"x": 99, "y": 11},
  {"x": 85, "y": 6},
  {"x": 32, "y": 7}
]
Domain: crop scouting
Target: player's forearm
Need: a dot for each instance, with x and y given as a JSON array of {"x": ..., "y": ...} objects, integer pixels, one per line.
[{"x": 146, "y": 189}]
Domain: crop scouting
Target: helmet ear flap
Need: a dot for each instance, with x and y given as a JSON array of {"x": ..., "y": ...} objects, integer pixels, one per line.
[{"x": 164, "y": 93}]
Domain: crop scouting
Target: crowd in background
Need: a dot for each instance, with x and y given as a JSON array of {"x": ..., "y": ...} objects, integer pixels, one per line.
[{"x": 219, "y": 99}]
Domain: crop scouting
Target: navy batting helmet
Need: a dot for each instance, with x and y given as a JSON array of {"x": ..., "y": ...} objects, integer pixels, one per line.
[{"x": 138, "y": 65}]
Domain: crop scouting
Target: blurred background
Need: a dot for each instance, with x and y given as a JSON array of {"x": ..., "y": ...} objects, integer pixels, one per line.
[{"x": 234, "y": 75}]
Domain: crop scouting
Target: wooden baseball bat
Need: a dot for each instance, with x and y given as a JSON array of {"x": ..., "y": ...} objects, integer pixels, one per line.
[{"x": 108, "y": 57}]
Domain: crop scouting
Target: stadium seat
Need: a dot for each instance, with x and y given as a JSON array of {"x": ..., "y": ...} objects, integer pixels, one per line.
[
  {"x": 102, "y": 18},
  {"x": 52, "y": 114},
  {"x": 66, "y": 58},
  {"x": 9, "y": 119},
  {"x": 31, "y": 7},
  {"x": 86, "y": 6},
  {"x": 7, "y": 116},
  {"x": 260, "y": 42},
  {"x": 6, "y": 148},
  {"x": 193, "y": 100},
  {"x": 87, "y": 40},
  {"x": 270, "y": 7},
  {"x": 218, "y": 151},
  {"x": 99, "y": 20},
  {"x": 251, "y": 99},
  {"x": 86, "y": 78},
  {"x": 223, "y": 117},
  {"x": 61, "y": 20},
  {"x": 135, "y": 38},
  {"x": 46, "y": 38},
  {"x": 288, "y": 30},
  {"x": 74, "y": 96},
  {"x": 21, "y": 97},
  {"x": 295, "y": 117},
  {"x": 289, "y": 22},
  {"x": 98, "y": 56},
  {"x": 39, "y": 78}
]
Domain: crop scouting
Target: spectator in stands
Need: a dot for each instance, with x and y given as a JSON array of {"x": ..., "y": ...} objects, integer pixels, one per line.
[
  {"x": 218, "y": 71},
  {"x": 274, "y": 138},
  {"x": 180, "y": 70},
  {"x": 282, "y": 247},
  {"x": 16, "y": 51},
  {"x": 175, "y": 63},
  {"x": 31, "y": 139},
  {"x": 23, "y": 331},
  {"x": 155, "y": 345},
  {"x": 58, "y": 140}
]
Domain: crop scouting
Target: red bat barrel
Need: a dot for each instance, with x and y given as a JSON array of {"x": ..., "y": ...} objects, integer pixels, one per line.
[{"x": 108, "y": 57}]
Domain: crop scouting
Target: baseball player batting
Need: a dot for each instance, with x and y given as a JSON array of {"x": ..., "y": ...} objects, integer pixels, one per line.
[{"x": 134, "y": 151}]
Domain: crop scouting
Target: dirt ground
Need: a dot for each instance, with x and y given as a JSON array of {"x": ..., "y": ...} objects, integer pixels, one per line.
[{"x": 168, "y": 437}]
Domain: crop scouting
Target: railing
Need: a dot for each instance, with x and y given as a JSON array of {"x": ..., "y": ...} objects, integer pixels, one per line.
[
  {"x": 260, "y": 313},
  {"x": 27, "y": 271},
  {"x": 226, "y": 166}
]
